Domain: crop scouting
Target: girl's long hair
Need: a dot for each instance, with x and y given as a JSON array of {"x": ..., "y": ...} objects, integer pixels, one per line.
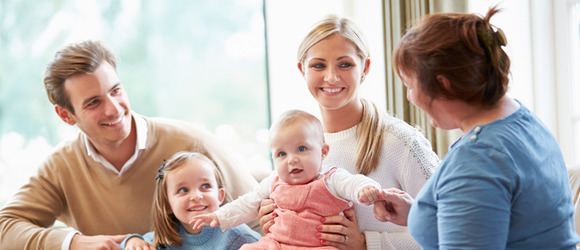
[{"x": 164, "y": 221}]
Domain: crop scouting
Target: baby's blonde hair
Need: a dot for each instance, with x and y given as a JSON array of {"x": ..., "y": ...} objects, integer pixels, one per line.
[
  {"x": 164, "y": 221},
  {"x": 292, "y": 116}
]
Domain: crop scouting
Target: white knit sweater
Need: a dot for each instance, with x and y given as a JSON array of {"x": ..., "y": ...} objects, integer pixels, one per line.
[{"x": 407, "y": 161}]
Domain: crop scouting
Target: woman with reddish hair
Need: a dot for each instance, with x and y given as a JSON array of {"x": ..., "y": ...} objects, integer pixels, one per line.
[{"x": 503, "y": 184}]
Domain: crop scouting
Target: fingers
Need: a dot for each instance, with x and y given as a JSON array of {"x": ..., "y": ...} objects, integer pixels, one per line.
[
  {"x": 266, "y": 226},
  {"x": 136, "y": 243},
  {"x": 267, "y": 214},
  {"x": 393, "y": 206},
  {"x": 334, "y": 227},
  {"x": 265, "y": 219},
  {"x": 96, "y": 242},
  {"x": 266, "y": 207},
  {"x": 392, "y": 191},
  {"x": 214, "y": 224},
  {"x": 368, "y": 195},
  {"x": 331, "y": 234},
  {"x": 341, "y": 232},
  {"x": 350, "y": 215},
  {"x": 396, "y": 197},
  {"x": 381, "y": 212},
  {"x": 118, "y": 238},
  {"x": 340, "y": 219},
  {"x": 337, "y": 240},
  {"x": 199, "y": 224}
]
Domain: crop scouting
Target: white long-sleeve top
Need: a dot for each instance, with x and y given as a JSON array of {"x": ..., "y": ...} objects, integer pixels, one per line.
[
  {"x": 341, "y": 184},
  {"x": 406, "y": 162}
]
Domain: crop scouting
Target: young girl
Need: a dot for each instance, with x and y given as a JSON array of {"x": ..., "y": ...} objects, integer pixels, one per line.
[
  {"x": 188, "y": 184},
  {"x": 303, "y": 191}
]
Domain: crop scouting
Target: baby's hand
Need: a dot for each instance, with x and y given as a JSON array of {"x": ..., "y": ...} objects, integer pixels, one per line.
[
  {"x": 138, "y": 243},
  {"x": 199, "y": 221},
  {"x": 368, "y": 195}
]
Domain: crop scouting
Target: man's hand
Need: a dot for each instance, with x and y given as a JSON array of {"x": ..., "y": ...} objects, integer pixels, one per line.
[
  {"x": 136, "y": 243},
  {"x": 101, "y": 242}
]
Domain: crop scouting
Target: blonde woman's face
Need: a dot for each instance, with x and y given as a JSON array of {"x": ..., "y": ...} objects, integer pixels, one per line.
[
  {"x": 333, "y": 71},
  {"x": 192, "y": 190}
]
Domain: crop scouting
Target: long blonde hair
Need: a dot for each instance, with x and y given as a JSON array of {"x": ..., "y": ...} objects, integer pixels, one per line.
[
  {"x": 369, "y": 137},
  {"x": 330, "y": 25},
  {"x": 372, "y": 127},
  {"x": 164, "y": 221}
]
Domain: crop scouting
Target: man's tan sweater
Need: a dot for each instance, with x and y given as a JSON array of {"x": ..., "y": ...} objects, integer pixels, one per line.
[{"x": 71, "y": 187}]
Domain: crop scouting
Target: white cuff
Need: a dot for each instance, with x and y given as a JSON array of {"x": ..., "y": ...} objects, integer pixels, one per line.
[
  {"x": 373, "y": 240},
  {"x": 68, "y": 239}
]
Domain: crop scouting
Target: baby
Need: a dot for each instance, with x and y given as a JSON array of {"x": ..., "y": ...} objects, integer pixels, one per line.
[{"x": 303, "y": 191}]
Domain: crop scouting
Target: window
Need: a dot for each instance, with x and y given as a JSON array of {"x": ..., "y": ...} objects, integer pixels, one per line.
[
  {"x": 200, "y": 61},
  {"x": 575, "y": 84},
  {"x": 567, "y": 53},
  {"x": 544, "y": 48}
]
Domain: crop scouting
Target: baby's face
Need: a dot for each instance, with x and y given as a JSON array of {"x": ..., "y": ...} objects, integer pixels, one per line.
[
  {"x": 297, "y": 151},
  {"x": 192, "y": 190}
]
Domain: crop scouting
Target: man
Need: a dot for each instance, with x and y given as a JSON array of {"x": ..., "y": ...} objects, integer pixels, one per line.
[{"x": 102, "y": 182}]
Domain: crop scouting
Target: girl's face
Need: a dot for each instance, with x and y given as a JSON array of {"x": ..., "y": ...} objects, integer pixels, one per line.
[
  {"x": 192, "y": 190},
  {"x": 298, "y": 152},
  {"x": 333, "y": 72}
]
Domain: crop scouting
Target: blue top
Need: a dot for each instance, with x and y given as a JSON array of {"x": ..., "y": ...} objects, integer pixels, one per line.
[
  {"x": 504, "y": 185},
  {"x": 208, "y": 238}
]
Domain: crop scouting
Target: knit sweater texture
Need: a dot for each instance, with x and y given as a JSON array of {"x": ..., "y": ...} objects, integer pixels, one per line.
[
  {"x": 209, "y": 238},
  {"x": 406, "y": 162}
]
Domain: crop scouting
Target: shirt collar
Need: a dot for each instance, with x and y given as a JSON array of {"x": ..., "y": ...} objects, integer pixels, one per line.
[{"x": 141, "y": 129}]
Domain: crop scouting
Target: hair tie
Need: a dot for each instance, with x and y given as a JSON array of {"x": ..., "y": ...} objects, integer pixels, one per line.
[
  {"x": 160, "y": 171},
  {"x": 487, "y": 37},
  {"x": 500, "y": 37}
]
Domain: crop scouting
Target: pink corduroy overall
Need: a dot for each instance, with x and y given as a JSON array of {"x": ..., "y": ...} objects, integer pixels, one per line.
[{"x": 300, "y": 208}]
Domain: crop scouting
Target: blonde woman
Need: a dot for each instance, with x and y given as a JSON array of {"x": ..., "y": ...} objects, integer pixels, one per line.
[{"x": 334, "y": 60}]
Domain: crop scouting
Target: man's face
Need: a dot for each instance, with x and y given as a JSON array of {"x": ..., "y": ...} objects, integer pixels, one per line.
[{"x": 101, "y": 106}]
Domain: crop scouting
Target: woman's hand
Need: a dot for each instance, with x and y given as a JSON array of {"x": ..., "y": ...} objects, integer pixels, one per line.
[
  {"x": 393, "y": 206},
  {"x": 266, "y": 214},
  {"x": 341, "y": 231}
]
